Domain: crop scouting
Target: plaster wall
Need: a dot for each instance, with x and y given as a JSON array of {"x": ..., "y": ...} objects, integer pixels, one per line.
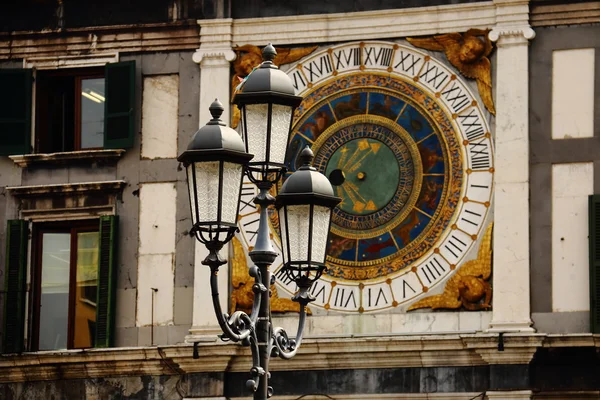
[
  {"x": 561, "y": 57},
  {"x": 571, "y": 185}
]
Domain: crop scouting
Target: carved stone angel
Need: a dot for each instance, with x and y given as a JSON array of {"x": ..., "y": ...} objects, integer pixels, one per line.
[
  {"x": 469, "y": 53},
  {"x": 250, "y": 57}
]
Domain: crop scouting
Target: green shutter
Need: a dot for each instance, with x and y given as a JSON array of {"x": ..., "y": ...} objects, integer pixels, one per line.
[
  {"x": 119, "y": 115},
  {"x": 107, "y": 280},
  {"x": 15, "y": 111},
  {"x": 15, "y": 284},
  {"x": 594, "y": 215}
]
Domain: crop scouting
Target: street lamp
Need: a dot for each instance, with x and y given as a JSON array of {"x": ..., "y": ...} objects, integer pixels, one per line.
[{"x": 215, "y": 162}]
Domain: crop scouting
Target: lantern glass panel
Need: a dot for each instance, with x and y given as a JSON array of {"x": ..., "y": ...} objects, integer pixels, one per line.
[
  {"x": 232, "y": 179},
  {"x": 256, "y": 130},
  {"x": 280, "y": 128},
  {"x": 207, "y": 190},
  {"x": 283, "y": 234},
  {"x": 320, "y": 231},
  {"x": 298, "y": 223}
]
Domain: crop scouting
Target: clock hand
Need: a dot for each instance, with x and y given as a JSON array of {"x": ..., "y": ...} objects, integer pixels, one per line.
[
  {"x": 357, "y": 205},
  {"x": 362, "y": 145},
  {"x": 343, "y": 157}
]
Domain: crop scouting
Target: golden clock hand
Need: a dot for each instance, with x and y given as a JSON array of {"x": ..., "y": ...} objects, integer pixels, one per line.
[
  {"x": 365, "y": 204},
  {"x": 343, "y": 157},
  {"x": 362, "y": 145},
  {"x": 358, "y": 163},
  {"x": 357, "y": 205}
]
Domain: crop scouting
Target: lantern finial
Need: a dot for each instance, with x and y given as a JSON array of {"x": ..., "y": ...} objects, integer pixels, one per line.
[
  {"x": 216, "y": 109},
  {"x": 306, "y": 156},
  {"x": 269, "y": 53}
]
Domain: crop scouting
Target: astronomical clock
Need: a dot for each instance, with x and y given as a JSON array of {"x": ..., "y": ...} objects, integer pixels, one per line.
[{"x": 406, "y": 145}]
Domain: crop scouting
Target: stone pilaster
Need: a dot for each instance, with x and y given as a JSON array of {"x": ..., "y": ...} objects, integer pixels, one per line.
[
  {"x": 214, "y": 57},
  {"x": 511, "y": 304}
]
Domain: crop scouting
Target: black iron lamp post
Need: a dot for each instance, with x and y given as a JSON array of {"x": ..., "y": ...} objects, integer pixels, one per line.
[{"x": 216, "y": 161}]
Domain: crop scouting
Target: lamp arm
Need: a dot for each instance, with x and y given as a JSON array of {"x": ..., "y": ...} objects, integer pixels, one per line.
[
  {"x": 234, "y": 327},
  {"x": 285, "y": 347}
]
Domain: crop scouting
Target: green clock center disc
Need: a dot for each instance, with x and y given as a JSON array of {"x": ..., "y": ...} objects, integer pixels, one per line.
[{"x": 365, "y": 174}]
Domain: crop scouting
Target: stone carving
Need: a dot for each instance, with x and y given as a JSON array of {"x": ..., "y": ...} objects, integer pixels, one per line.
[
  {"x": 469, "y": 53},
  {"x": 469, "y": 287},
  {"x": 242, "y": 295},
  {"x": 249, "y": 57}
]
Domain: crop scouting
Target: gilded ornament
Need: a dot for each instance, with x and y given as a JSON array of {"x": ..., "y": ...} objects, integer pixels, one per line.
[
  {"x": 469, "y": 287},
  {"x": 250, "y": 57},
  {"x": 469, "y": 53},
  {"x": 242, "y": 295}
]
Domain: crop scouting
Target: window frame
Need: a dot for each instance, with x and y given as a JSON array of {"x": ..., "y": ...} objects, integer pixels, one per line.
[
  {"x": 42, "y": 94},
  {"x": 39, "y": 229}
]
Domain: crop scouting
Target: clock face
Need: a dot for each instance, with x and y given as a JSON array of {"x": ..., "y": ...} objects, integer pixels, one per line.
[{"x": 405, "y": 145}]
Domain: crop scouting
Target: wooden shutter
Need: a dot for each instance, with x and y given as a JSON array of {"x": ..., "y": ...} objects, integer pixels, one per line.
[
  {"x": 15, "y": 285},
  {"x": 594, "y": 215},
  {"x": 107, "y": 279},
  {"x": 119, "y": 106},
  {"x": 15, "y": 111}
]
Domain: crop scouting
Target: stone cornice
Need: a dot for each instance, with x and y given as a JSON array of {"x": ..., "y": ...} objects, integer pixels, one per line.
[
  {"x": 565, "y": 14},
  {"x": 173, "y": 36},
  {"x": 394, "y": 23},
  {"x": 315, "y": 354}
]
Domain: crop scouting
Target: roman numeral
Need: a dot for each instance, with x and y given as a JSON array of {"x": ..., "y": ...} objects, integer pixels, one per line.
[
  {"x": 283, "y": 277},
  {"x": 472, "y": 125},
  {"x": 316, "y": 68},
  {"x": 246, "y": 198},
  {"x": 378, "y": 56},
  {"x": 480, "y": 157},
  {"x": 455, "y": 246},
  {"x": 456, "y": 97},
  {"x": 434, "y": 74},
  {"x": 472, "y": 215},
  {"x": 404, "y": 286},
  {"x": 252, "y": 232},
  {"x": 379, "y": 297},
  {"x": 407, "y": 63},
  {"x": 317, "y": 291},
  {"x": 432, "y": 270},
  {"x": 339, "y": 298},
  {"x": 346, "y": 57},
  {"x": 299, "y": 82}
]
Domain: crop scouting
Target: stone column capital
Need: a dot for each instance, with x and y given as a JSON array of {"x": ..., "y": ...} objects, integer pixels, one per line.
[
  {"x": 511, "y": 35},
  {"x": 215, "y": 43}
]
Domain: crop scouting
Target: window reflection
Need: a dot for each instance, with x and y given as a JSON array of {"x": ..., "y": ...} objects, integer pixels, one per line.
[
  {"x": 54, "y": 299},
  {"x": 92, "y": 113},
  {"x": 69, "y": 286},
  {"x": 86, "y": 290}
]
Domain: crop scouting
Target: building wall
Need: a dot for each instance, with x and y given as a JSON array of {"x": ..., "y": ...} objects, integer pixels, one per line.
[
  {"x": 565, "y": 168},
  {"x": 152, "y": 253}
]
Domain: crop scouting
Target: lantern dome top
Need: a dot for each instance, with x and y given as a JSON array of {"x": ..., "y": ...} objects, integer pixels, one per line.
[
  {"x": 307, "y": 186},
  {"x": 215, "y": 141},
  {"x": 267, "y": 83}
]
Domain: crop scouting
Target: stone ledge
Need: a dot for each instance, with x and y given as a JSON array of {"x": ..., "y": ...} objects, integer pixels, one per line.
[
  {"x": 68, "y": 158},
  {"x": 66, "y": 188},
  {"x": 315, "y": 354}
]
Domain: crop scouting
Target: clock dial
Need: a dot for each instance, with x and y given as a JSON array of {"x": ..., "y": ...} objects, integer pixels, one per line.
[{"x": 407, "y": 148}]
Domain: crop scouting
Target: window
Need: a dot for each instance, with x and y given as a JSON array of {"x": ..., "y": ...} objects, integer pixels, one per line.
[
  {"x": 75, "y": 109},
  {"x": 71, "y": 301},
  {"x": 69, "y": 110}
]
